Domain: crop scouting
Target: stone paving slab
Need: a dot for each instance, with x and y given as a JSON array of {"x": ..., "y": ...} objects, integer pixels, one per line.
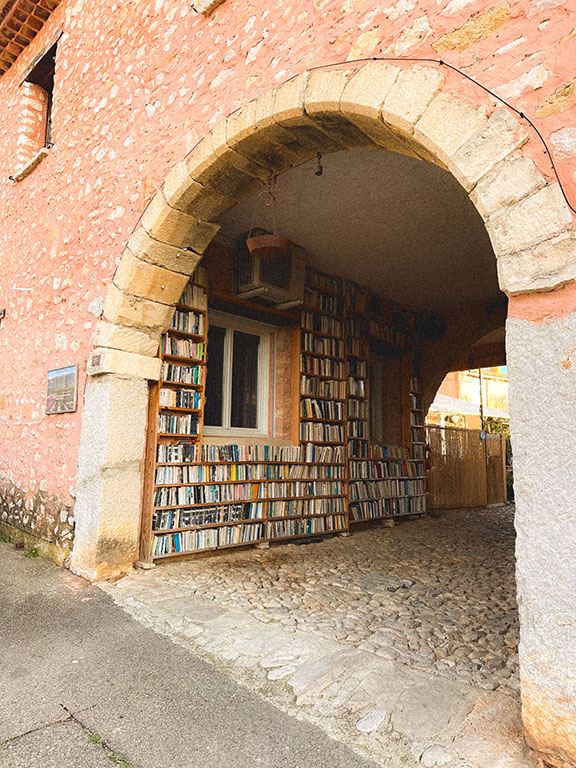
[{"x": 329, "y": 632}]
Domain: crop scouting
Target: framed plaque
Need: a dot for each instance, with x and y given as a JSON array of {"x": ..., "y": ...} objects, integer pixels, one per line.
[{"x": 62, "y": 390}]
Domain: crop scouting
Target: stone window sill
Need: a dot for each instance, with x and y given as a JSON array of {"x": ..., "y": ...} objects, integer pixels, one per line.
[{"x": 30, "y": 165}]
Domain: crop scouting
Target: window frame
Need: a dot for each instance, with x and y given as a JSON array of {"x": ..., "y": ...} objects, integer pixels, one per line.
[{"x": 264, "y": 384}]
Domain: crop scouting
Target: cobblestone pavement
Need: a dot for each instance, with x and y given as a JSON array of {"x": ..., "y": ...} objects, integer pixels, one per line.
[{"x": 401, "y": 641}]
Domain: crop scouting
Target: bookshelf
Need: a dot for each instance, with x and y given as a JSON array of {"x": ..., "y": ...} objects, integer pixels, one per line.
[{"x": 204, "y": 497}]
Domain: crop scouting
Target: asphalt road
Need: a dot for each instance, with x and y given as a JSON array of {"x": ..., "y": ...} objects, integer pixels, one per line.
[{"x": 85, "y": 686}]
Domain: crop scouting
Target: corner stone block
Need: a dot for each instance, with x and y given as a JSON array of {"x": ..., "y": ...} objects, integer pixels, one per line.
[
  {"x": 162, "y": 255},
  {"x": 213, "y": 164},
  {"x": 175, "y": 227},
  {"x": 500, "y": 137},
  {"x": 289, "y": 113},
  {"x": 409, "y": 96},
  {"x": 123, "y": 309},
  {"x": 244, "y": 136},
  {"x": 530, "y": 221},
  {"x": 546, "y": 266},
  {"x": 126, "y": 339},
  {"x": 184, "y": 194},
  {"x": 322, "y": 104},
  {"x": 114, "y": 361},
  {"x": 506, "y": 184},
  {"x": 146, "y": 281},
  {"x": 446, "y": 124}
]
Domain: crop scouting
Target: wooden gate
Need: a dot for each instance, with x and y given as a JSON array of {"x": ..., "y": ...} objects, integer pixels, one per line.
[{"x": 466, "y": 471}]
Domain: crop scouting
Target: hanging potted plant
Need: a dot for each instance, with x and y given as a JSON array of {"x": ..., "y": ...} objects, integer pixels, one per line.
[{"x": 268, "y": 246}]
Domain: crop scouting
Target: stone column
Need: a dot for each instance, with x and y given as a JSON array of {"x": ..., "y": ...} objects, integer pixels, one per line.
[
  {"x": 541, "y": 346},
  {"x": 109, "y": 478}
]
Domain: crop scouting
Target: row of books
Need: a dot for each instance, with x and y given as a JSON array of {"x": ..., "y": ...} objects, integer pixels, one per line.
[
  {"x": 164, "y": 519},
  {"x": 416, "y": 419},
  {"x": 357, "y": 367},
  {"x": 357, "y": 409},
  {"x": 303, "y": 507},
  {"x": 389, "y": 452},
  {"x": 322, "y": 345},
  {"x": 358, "y": 428},
  {"x": 322, "y": 409},
  {"x": 265, "y": 453},
  {"x": 170, "y": 345},
  {"x": 384, "y": 489},
  {"x": 372, "y": 469},
  {"x": 306, "y": 526},
  {"x": 179, "y": 398},
  {"x": 311, "y": 321},
  {"x": 226, "y": 473},
  {"x": 388, "y": 333},
  {"x": 178, "y": 425},
  {"x": 373, "y": 510},
  {"x": 415, "y": 401},
  {"x": 194, "y": 296},
  {"x": 322, "y": 433},
  {"x": 322, "y": 302},
  {"x": 358, "y": 448},
  {"x": 356, "y": 387},
  {"x": 322, "y": 366},
  {"x": 168, "y": 496},
  {"x": 177, "y": 454},
  {"x": 182, "y": 374},
  {"x": 311, "y": 386},
  {"x": 324, "y": 282},
  {"x": 357, "y": 347},
  {"x": 417, "y": 434},
  {"x": 207, "y": 538},
  {"x": 188, "y": 322}
]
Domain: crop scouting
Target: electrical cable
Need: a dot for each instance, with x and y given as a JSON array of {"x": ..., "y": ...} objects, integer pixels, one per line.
[{"x": 442, "y": 63}]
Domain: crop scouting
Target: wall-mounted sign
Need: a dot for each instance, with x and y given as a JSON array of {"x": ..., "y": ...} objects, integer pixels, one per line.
[{"x": 61, "y": 391}]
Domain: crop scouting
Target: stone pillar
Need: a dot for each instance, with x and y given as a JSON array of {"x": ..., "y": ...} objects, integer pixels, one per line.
[
  {"x": 541, "y": 346},
  {"x": 109, "y": 478}
]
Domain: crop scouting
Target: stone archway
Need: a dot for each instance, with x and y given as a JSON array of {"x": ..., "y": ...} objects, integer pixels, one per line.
[{"x": 409, "y": 110}]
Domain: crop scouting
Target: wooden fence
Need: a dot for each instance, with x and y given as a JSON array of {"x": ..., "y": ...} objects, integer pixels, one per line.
[{"x": 466, "y": 471}]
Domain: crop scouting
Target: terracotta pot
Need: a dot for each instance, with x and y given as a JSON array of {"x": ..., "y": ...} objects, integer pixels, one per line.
[{"x": 268, "y": 246}]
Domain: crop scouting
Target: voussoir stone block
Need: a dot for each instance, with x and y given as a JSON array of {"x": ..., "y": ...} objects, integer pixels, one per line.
[
  {"x": 213, "y": 164},
  {"x": 161, "y": 254},
  {"x": 529, "y": 221},
  {"x": 266, "y": 122},
  {"x": 544, "y": 267},
  {"x": 410, "y": 94},
  {"x": 446, "y": 124},
  {"x": 498, "y": 138},
  {"x": 245, "y": 136},
  {"x": 361, "y": 103},
  {"x": 322, "y": 104},
  {"x": 289, "y": 112},
  {"x": 175, "y": 227},
  {"x": 104, "y": 360},
  {"x": 185, "y": 194},
  {"x": 509, "y": 181},
  {"x": 126, "y": 339},
  {"x": 124, "y": 309},
  {"x": 147, "y": 281}
]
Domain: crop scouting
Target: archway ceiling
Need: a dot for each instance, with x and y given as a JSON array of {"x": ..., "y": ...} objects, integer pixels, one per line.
[{"x": 399, "y": 225}]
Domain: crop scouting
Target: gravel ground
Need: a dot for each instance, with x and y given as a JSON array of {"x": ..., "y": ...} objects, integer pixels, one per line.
[{"x": 436, "y": 594}]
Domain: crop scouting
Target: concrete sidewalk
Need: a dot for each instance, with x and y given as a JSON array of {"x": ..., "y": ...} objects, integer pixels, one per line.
[{"x": 84, "y": 685}]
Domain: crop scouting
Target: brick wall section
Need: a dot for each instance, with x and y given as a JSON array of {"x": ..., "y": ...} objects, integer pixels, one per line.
[
  {"x": 32, "y": 125},
  {"x": 137, "y": 85}
]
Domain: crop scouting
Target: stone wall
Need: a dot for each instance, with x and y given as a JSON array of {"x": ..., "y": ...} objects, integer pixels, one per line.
[{"x": 137, "y": 85}]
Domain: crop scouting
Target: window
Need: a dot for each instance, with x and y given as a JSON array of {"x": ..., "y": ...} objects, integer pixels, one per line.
[
  {"x": 238, "y": 376},
  {"x": 42, "y": 76}
]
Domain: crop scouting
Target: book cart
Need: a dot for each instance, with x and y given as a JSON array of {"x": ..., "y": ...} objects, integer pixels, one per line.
[{"x": 200, "y": 497}]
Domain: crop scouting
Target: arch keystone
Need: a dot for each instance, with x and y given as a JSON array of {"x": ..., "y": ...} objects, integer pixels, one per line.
[
  {"x": 322, "y": 104},
  {"x": 409, "y": 96}
]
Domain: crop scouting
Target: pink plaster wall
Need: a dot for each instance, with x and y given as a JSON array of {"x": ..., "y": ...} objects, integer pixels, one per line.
[{"x": 137, "y": 84}]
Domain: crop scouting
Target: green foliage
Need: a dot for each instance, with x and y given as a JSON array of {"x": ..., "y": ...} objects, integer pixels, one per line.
[
  {"x": 5, "y": 538},
  {"x": 32, "y": 552},
  {"x": 95, "y": 739},
  {"x": 121, "y": 761}
]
